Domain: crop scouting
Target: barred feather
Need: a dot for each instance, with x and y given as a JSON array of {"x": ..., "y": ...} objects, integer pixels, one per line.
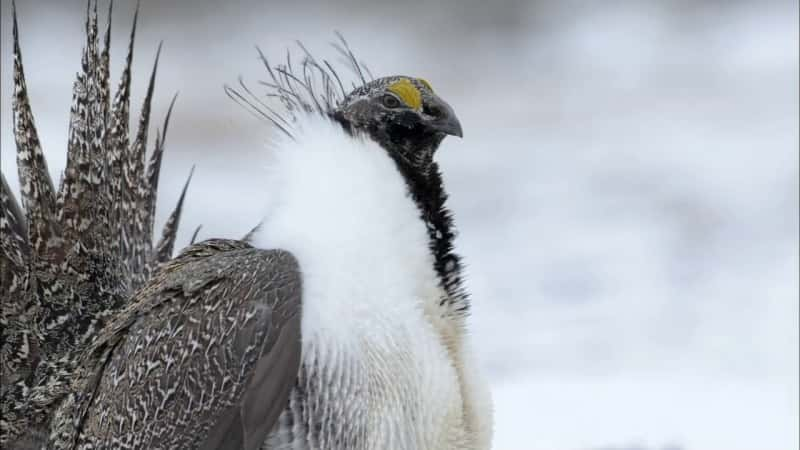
[
  {"x": 153, "y": 171},
  {"x": 38, "y": 196},
  {"x": 166, "y": 245},
  {"x": 14, "y": 254},
  {"x": 13, "y": 225},
  {"x": 76, "y": 196},
  {"x": 71, "y": 260},
  {"x": 116, "y": 146},
  {"x": 136, "y": 247}
]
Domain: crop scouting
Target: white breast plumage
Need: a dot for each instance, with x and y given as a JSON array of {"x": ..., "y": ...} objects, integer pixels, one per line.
[{"x": 339, "y": 205}]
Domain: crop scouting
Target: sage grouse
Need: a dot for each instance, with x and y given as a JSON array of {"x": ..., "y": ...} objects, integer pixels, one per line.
[{"x": 337, "y": 323}]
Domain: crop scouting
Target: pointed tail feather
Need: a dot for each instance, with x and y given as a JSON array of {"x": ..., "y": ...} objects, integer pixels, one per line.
[
  {"x": 104, "y": 69},
  {"x": 38, "y": 196},
  {"x": 136, "y": 243},
  {"x": 167, "y": 243},
  {"x": 78, "y": 196},
  {"x": 194, "y": 235},
  {"x": 250, "y": 234},
  {"x": 117, "y": 143},
  {"x": 153, "y": 172},
  {"x": 72, "y": 259}
]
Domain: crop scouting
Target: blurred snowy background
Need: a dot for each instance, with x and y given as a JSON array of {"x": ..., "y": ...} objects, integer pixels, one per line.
[{"x": 626, "y": 190}]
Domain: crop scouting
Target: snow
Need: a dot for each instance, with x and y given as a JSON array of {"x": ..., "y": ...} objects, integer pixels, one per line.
[{"x": 639, "y": 413}]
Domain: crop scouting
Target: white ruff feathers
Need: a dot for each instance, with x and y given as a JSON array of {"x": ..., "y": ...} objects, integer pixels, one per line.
[{"x": 341, "y": 207}]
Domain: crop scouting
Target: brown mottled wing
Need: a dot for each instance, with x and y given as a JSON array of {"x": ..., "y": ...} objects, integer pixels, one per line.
[{"x": 205, "y": 357}]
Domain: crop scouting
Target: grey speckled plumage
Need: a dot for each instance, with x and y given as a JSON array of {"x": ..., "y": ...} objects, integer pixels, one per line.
[
  {"x": 203, "y": 357},
  {"x": 71, "y": 258}
]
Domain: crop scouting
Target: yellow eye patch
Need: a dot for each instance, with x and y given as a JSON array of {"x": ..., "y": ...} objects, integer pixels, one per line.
[{"x": 407, "y": 92}]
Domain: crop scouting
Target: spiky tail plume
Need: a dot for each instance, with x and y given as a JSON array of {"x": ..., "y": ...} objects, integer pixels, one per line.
[{"x": 71, "y": 258}]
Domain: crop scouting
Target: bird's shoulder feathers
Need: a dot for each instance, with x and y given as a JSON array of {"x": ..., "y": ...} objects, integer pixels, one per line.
[{"x": 208, "y": 351}]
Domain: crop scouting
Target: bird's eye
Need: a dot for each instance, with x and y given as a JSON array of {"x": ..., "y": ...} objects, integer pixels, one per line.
[{"x": 390, "y": 101}]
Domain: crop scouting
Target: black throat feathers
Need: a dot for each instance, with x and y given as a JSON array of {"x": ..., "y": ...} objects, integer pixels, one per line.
[{"x": 412, "y": 151}]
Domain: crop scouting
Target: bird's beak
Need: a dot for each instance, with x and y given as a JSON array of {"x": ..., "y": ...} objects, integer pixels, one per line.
[{"x": 447, "y": 122}]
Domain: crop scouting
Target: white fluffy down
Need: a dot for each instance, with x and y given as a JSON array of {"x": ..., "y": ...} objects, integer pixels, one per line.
[{"x": 341, "y": 207}]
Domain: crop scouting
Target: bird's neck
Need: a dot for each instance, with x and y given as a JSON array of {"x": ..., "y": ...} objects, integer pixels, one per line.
[
  {"x": 338, "y": 203},
  {"x": 426, "y": 187},
  {"x": 349, "y": 212},
  {"x": 412, "y": 151}
]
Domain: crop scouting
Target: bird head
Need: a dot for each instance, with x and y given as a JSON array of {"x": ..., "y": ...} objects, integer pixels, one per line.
[{"x": 402, "y": 114}]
